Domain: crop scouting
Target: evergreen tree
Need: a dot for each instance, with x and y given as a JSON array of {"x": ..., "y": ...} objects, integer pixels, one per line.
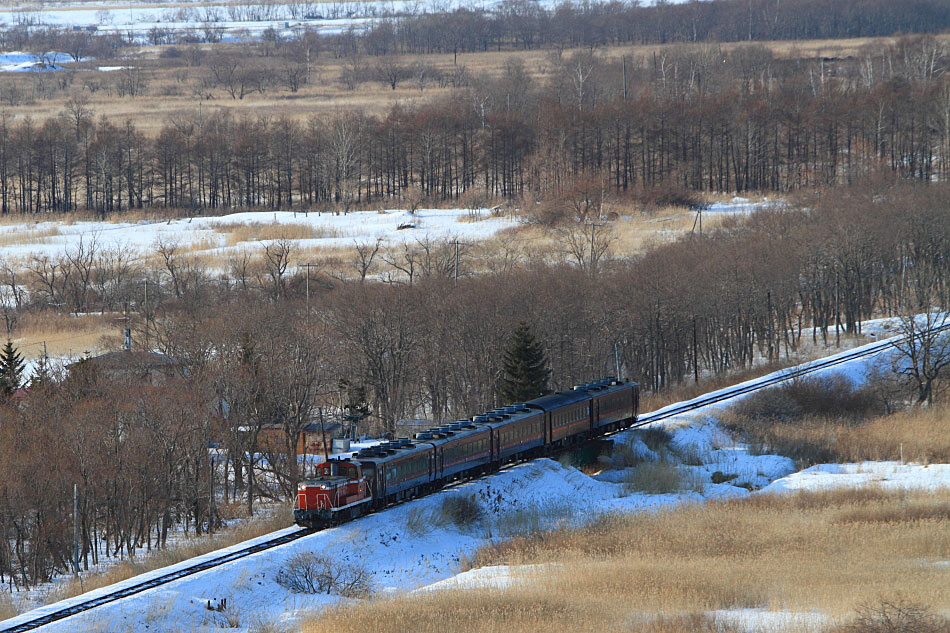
[
  {"x": 11, "y": 369},
  {"x": 42, "y": 374},
  {"x": 526, "y": 369}
]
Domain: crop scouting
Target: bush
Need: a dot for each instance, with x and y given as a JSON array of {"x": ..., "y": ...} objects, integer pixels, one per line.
[
  {"x": 655, "y": 478},
  {"x": 309, "y": 572},
  {"x": 656, "y": 438},
  {"x": 896, "y": 616},
  {"x": 461, "y": 510},
  {"x": 833, "y": 396}
]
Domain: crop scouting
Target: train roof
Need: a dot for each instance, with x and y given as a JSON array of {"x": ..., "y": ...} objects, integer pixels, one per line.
[
  {"x": 559, "y": 399},
  {"x": 390, "y": 451}
]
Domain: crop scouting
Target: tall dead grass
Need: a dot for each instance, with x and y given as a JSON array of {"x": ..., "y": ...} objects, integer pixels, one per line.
[
  {"x": 828, "y": 551},
  {"x": 261, "y": 232},
  {"x": 831, "y": 420},
  {"x": 64, "y": 335},
  {"x": 190, "y": 548},
  {"x": 916, "y": 435},
  {"x": 7, "y": 608}
]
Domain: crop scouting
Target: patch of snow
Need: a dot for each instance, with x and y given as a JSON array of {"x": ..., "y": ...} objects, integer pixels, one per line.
[
  {"x": 755, "y": 620},
  {"x": 490, "y": 577},
  {"x": 887, "y": 475}
]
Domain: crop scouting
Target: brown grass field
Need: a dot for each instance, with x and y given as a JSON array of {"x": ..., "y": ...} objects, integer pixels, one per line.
[
  {"x": 831, "y": 552},
  {"x": 172, "y": 85},
  {"x": 916, "y": 435},
  {"x": 65, "y": 334}
]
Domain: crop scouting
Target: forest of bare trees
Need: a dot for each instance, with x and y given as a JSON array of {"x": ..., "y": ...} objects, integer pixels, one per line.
[
  {"x": 524, "y": 24},
  {"x": 690, "y": 119}
]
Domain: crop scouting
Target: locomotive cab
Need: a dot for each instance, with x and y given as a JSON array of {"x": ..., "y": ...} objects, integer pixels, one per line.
[{"x": 338, "y": 492}]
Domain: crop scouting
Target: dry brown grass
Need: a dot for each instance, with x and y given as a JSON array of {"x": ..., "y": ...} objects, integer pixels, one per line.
[
  {"x": 7, "y": 607},
  {"x": 917, "y": 435},
  {"x": 64, "y": 334},
  {"x": 28, "y": 236},
  {"x": 257, "y": 232},
  {"x": 189, "y": 548},
  {"x": 827, "y": 551}
]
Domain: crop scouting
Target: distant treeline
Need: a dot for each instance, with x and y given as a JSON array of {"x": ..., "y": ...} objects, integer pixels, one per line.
[
  {"x": 524, "y": 24},
  {"x": 692, "y": 119}
]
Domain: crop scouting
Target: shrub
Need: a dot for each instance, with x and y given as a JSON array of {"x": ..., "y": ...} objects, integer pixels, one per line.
[
  {"x": 418, "y": 520},
  {"x": 656, "y": 438},
  {"x": 309, "y": 572},
  {"x": 833, "y": 396},
  {"x": 461, "y": 510},
  {"x": 896, "y": 616},
  {"x": 655, "y": 478}
]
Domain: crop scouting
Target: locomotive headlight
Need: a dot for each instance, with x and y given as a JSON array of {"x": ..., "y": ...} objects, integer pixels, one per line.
[{"x": 301, "y": 487}]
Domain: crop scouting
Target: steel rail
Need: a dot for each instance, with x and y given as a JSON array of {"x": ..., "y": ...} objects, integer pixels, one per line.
[
  {"x": 662, "y": 414},
  {"x": 153, "y": 582}
]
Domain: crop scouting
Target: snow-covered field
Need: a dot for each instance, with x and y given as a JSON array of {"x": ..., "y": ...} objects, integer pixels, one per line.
[
  {"x": 231, "y": 19},
  {"x": 20, "y": 241},
  {"x": 408, "y": 548}
]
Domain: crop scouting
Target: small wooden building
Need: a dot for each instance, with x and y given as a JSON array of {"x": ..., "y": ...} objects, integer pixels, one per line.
[{"x": 310, "y": 441}]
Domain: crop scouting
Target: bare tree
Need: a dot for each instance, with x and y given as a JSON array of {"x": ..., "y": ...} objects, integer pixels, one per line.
[
  {"x": 924, "y": 353},
  {"x": 276, "y": 260},
  {"x": 365, "y": 256},
  {"x": 587, "y": 243},
  {"x": 388, "y": 71}
]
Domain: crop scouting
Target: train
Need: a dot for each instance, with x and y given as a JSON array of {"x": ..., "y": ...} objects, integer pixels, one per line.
[{"x": 343, "y": 489}]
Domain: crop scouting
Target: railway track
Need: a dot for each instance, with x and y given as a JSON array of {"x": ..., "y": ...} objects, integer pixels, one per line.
[{"x": 664, "y": 413}]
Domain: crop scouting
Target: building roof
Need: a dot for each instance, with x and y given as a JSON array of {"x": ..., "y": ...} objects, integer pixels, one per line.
[{"x": 127, "y": 359}]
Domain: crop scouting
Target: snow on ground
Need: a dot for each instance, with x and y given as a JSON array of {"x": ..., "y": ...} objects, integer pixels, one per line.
[
  {"x": 17, "y": 62},
  {"x": 887, "y": 475},
  {"x": 739, "y": 205},
  {"x": 232, "y": 19},
  {"x": 411, "y": 546},
  {"x": 491, "y": 577},
  {"x": 337, "y": 230},
  {"x": 758, "y": 620}
]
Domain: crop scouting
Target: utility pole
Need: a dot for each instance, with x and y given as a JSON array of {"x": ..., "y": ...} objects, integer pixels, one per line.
[
  {"x": 623, "y": 65},
  {"x": 695, "y": 354},
  {"x": 457, "y": 245},
  {"x": 76, "y": 530},
  {"x": 307, "y": 266},
  {"x": 837, "y": 315},
  {"x": 211, "y": 493},
  {"x": 323, "y": 434},
  {"x": 146, "y": 315},
  {"x": 617, "y": 358}
]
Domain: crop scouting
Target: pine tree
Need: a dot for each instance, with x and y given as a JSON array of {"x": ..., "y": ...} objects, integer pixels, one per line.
[
  {"x": 526, "y": 369},
  {"x": 11, "y": 369},
  {"x": 42, "y": 374}
]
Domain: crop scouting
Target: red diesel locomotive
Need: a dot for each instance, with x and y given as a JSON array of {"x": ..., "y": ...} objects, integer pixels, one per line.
[{"x": 344, "y": 489}]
